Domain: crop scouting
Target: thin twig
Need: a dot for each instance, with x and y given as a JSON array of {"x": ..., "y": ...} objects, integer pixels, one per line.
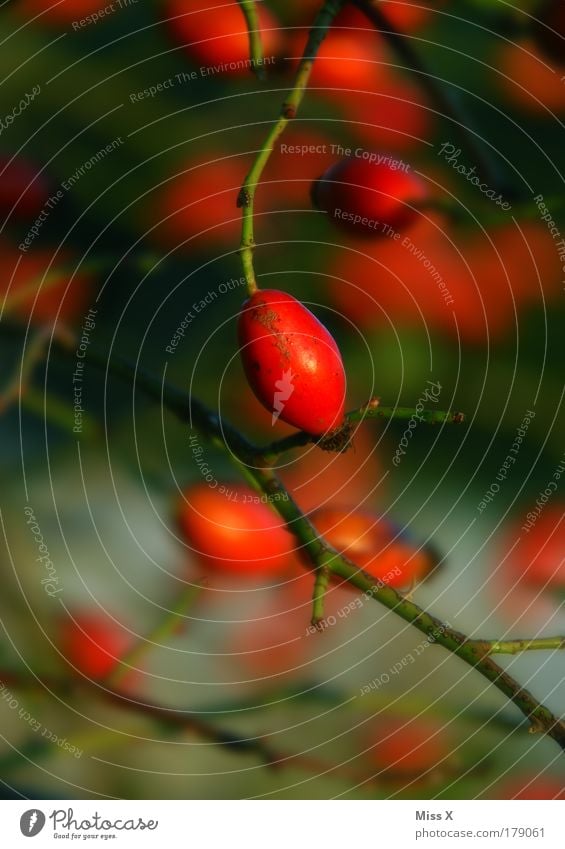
[
  {"x": 518, "y": 646},
  {"x": 475, "y": 653},
  {"x": 372, "y": 410},
  {"x": 288, "y": 111},
  {"x": 166, "y": 628},
  {"x": 251, "y": 16}
]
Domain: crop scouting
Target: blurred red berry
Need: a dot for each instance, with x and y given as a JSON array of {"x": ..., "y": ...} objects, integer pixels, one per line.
[
  {"x": 464, "y": 285},
  {"x": 529, "y": 787},
  {"x": 393, "y": 117},
  {"x": 526, "y": 80},
  {"x": 374, "y": 545},
  {"x": 408, "y": 748},
  {"x": 365, "y": 193},
  {"x": 196, "y": 208},
  {"x": 344, "y": 61},
  {"x": 230, "y": 529},
  {"x": 23, "y": 191},
  {"x": 215, "y": 35},
  {"x": 539, "y": 556},
  {"x": 94, "y": 643},
  {"x": 34, "y": 286}
]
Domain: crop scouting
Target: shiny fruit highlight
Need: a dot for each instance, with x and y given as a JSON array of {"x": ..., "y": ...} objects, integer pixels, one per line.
[{"x": 292, "y": 362}]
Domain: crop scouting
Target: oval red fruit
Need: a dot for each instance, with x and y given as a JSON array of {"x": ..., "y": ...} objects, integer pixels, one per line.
[
  {"x": 409, "y": 747},
  {"x": 232, "y": 531},
  {"x": 366, "y": 195},
  {"x": 373, "y": 544},
  {"x": 23, "y": 191},
  {"x": 94, "y": 643},
  {"x": 292, "y": 362}
]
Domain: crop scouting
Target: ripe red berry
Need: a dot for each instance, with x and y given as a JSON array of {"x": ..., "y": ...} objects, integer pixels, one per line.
[
  {"x": 215, "y": 36},
  {"x": 539, "y": 557},
  {"x": 23, "y": 192},
  {"x": 363, "y": 196},
  {"x": 196, "y": 207},
  {"x": 529, "y": 787},
  {"x": 410, "y": 15},
  {"x": 36, "y": 286},
  {"x": 526, "y": 80},
  {"x": 292, "y": 362},
  {"x": 373, "y": 545},
  {"x": 344, "y": 62},
  {"x": 231, "y": 530},
  {"x": 94, "y": 643},
  {"x": 409, "y": 747}
]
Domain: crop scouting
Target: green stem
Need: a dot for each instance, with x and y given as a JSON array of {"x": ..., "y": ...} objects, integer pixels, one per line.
[
  {"x": 158, "y": 637},
  {"x": 517, "y": 646},
  {"x": 475, "y": 653},
  {"x": 288, "y": 111},
  {"x": 320, "y": 588},
  {"x": 372, "y": 410},
  {"x": 251, "y": 16},
  {"x": 19, "y": 381}
]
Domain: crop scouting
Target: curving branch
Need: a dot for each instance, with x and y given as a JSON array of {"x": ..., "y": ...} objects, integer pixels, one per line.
[
  {"x": 251, "y": 16},
  {"x": 324, "y": 559},
  {"x": 288, "y": 111},
  {"x": 371, "y": 410},
  {"x": 518, "y": 646}
]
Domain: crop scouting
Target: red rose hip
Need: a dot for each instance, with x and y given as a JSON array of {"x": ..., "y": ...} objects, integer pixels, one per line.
[
  {"x": 366, "y": 194},
  {"x": 373, "y": 544},
  {"x": 231, "y": 530},
  {"x": 94, "y": 643},
  {"x": 292, "y": 362}
]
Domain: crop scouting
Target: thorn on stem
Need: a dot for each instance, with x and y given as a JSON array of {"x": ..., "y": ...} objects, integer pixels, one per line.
[
  {"x": 338, "y": 440},
  {"x": 289, "y": 111},
  {"x": 243, "y": 198},
  {"x": 536, "y": 727}
]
